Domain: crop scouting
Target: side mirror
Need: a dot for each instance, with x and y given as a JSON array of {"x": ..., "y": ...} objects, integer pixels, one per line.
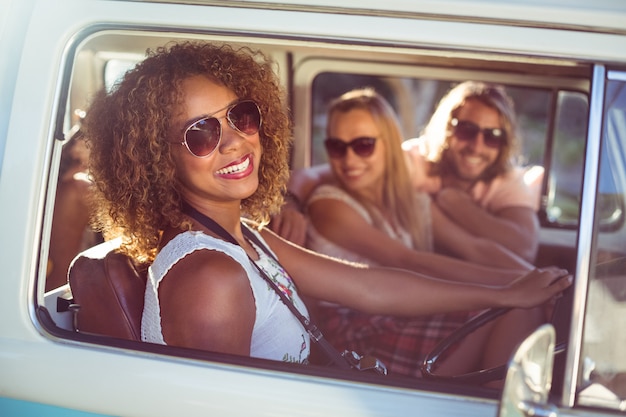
[{"x": 529, "y": 376}]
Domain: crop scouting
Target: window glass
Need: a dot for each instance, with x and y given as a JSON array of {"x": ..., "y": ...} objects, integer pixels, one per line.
[
  {"x": 604, "y": 363},
  {"x": 548, "y": 119},
  {"x": 115, "y": 70},
  {"x": 566, "y": 172},
  {"x": 416, "y": 99}
]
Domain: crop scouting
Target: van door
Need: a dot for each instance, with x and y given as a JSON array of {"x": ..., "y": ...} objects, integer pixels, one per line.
[
  {"x": 599, "y": 378},
  {"x": 594, "y": 371}
]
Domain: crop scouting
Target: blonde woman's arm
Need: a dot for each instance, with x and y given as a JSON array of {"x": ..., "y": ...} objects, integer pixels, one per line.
[
  {"x": 341, "y": 224},
  {"x": 401, "y": 292}
]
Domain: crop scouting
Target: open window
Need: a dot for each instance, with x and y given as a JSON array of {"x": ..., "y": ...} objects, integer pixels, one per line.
[
  {"x": 550, "y": 118},
  {"x": 552, "y": 109}
]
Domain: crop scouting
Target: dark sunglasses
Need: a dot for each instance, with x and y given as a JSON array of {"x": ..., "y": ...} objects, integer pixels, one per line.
[
  {"x": 363, "y": 147},
  {"x": 467, "y": 131},
  {"x": 203, "y": 136}
]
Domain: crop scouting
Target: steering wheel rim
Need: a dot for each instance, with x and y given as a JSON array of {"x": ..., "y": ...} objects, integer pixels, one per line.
[{"x": 482, "y": 376}]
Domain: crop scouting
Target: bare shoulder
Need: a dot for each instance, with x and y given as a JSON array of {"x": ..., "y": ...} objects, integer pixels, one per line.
[
  {"x": 333, "y": 216},
  {"x": 205, "y": 294},
  {"x": 204, "y": 274}
]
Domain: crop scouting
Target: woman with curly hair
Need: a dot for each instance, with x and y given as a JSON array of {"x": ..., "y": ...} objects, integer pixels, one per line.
[{"x": 191, "y": 141}]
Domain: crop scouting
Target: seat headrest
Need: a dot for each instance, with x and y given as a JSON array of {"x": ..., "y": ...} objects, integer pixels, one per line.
[{"x": 109, "y": 289}]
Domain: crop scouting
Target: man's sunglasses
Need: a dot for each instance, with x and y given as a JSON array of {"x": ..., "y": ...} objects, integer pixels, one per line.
[
  {"x": 203, "y": 136},
  {"x": 363, "y": 147},
  {"x": 467, "y": 131}
]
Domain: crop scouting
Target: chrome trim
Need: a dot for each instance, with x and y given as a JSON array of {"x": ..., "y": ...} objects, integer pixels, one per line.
[
  {"x": 585, "y": 235},
  {"x": 616, "y": 75},
  {"x": 48, "y": 181}
]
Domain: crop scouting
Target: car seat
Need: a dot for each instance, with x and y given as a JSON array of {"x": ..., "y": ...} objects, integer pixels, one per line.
[{"x": 108, "y": 291}]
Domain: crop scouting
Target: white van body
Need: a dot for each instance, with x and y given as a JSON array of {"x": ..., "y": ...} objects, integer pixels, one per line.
[{"x": 53, "y": 55}]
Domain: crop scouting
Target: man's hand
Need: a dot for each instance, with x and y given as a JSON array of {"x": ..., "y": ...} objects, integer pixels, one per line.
[{"x": 290, "y": 224}]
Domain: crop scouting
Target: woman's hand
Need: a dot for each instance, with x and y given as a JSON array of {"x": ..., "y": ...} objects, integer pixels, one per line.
[{"x": 536, "y": 287}]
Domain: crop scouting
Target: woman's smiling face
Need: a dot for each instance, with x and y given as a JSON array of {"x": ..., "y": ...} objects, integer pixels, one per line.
[
  {"x": 363, "y": 175},
  {"x": 230, "y": 173}
]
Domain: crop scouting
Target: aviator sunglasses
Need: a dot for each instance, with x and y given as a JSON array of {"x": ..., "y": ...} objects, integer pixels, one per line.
[
  {"x": 203, "y": 136},
  {"x": 467, "y": 131},
  {"x": 362, "y": 146}
]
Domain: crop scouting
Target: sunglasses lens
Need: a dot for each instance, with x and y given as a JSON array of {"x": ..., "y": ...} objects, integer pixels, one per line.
[
  {"x": 245, "y": 117},
  {"x": 203, "y": 136},
  {"x": 363, "y": 146},
  {"x": 493, "y": 137},
  {"x": 466, "y": 131},
  {"x": 336, "y": 148}
]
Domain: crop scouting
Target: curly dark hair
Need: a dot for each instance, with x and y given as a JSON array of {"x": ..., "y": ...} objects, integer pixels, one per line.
[{"x": 130, "y": 159}]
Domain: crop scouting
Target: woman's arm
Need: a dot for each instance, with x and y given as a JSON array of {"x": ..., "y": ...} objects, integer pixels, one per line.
[
  {"x": 338, "y": 222},
  {"x": 205, "y": 294},
  {"x": 401, "y": 292}
]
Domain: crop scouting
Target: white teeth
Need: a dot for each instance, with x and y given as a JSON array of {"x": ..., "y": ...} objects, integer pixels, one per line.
[
  {"x": 473, "y": 160},
  {"x": 352, "y": 172},
  {"x": 235, "y": 168}
]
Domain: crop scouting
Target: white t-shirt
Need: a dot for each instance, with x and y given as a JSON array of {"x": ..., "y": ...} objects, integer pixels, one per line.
[
  {"x": 277, "y": 334},
  {"x": 317, "y": 242}
]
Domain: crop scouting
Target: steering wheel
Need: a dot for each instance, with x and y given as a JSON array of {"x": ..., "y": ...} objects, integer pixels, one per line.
[
  {"x": 480, "y": 377},
  {"x": 432, "y": 360}
]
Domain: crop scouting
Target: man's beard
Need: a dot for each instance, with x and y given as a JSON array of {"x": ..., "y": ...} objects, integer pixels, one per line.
[{"x": 450, "y": 167}]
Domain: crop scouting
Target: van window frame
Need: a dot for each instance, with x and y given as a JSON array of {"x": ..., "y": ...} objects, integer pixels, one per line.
[
  {"x": 46, "y": 314},
  {"x": 300, "y": 96}
]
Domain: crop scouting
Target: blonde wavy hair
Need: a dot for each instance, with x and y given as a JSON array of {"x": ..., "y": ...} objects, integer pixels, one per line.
[
  {"x": 438, "y": 131},
  {"x": 399, "y": 196},
  {"x": 130, "y": 155}
]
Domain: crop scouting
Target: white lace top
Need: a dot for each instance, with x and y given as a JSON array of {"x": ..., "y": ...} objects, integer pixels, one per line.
[
  {"x": 277, "y": 333},
  {"x": 319, "y": 243}
]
